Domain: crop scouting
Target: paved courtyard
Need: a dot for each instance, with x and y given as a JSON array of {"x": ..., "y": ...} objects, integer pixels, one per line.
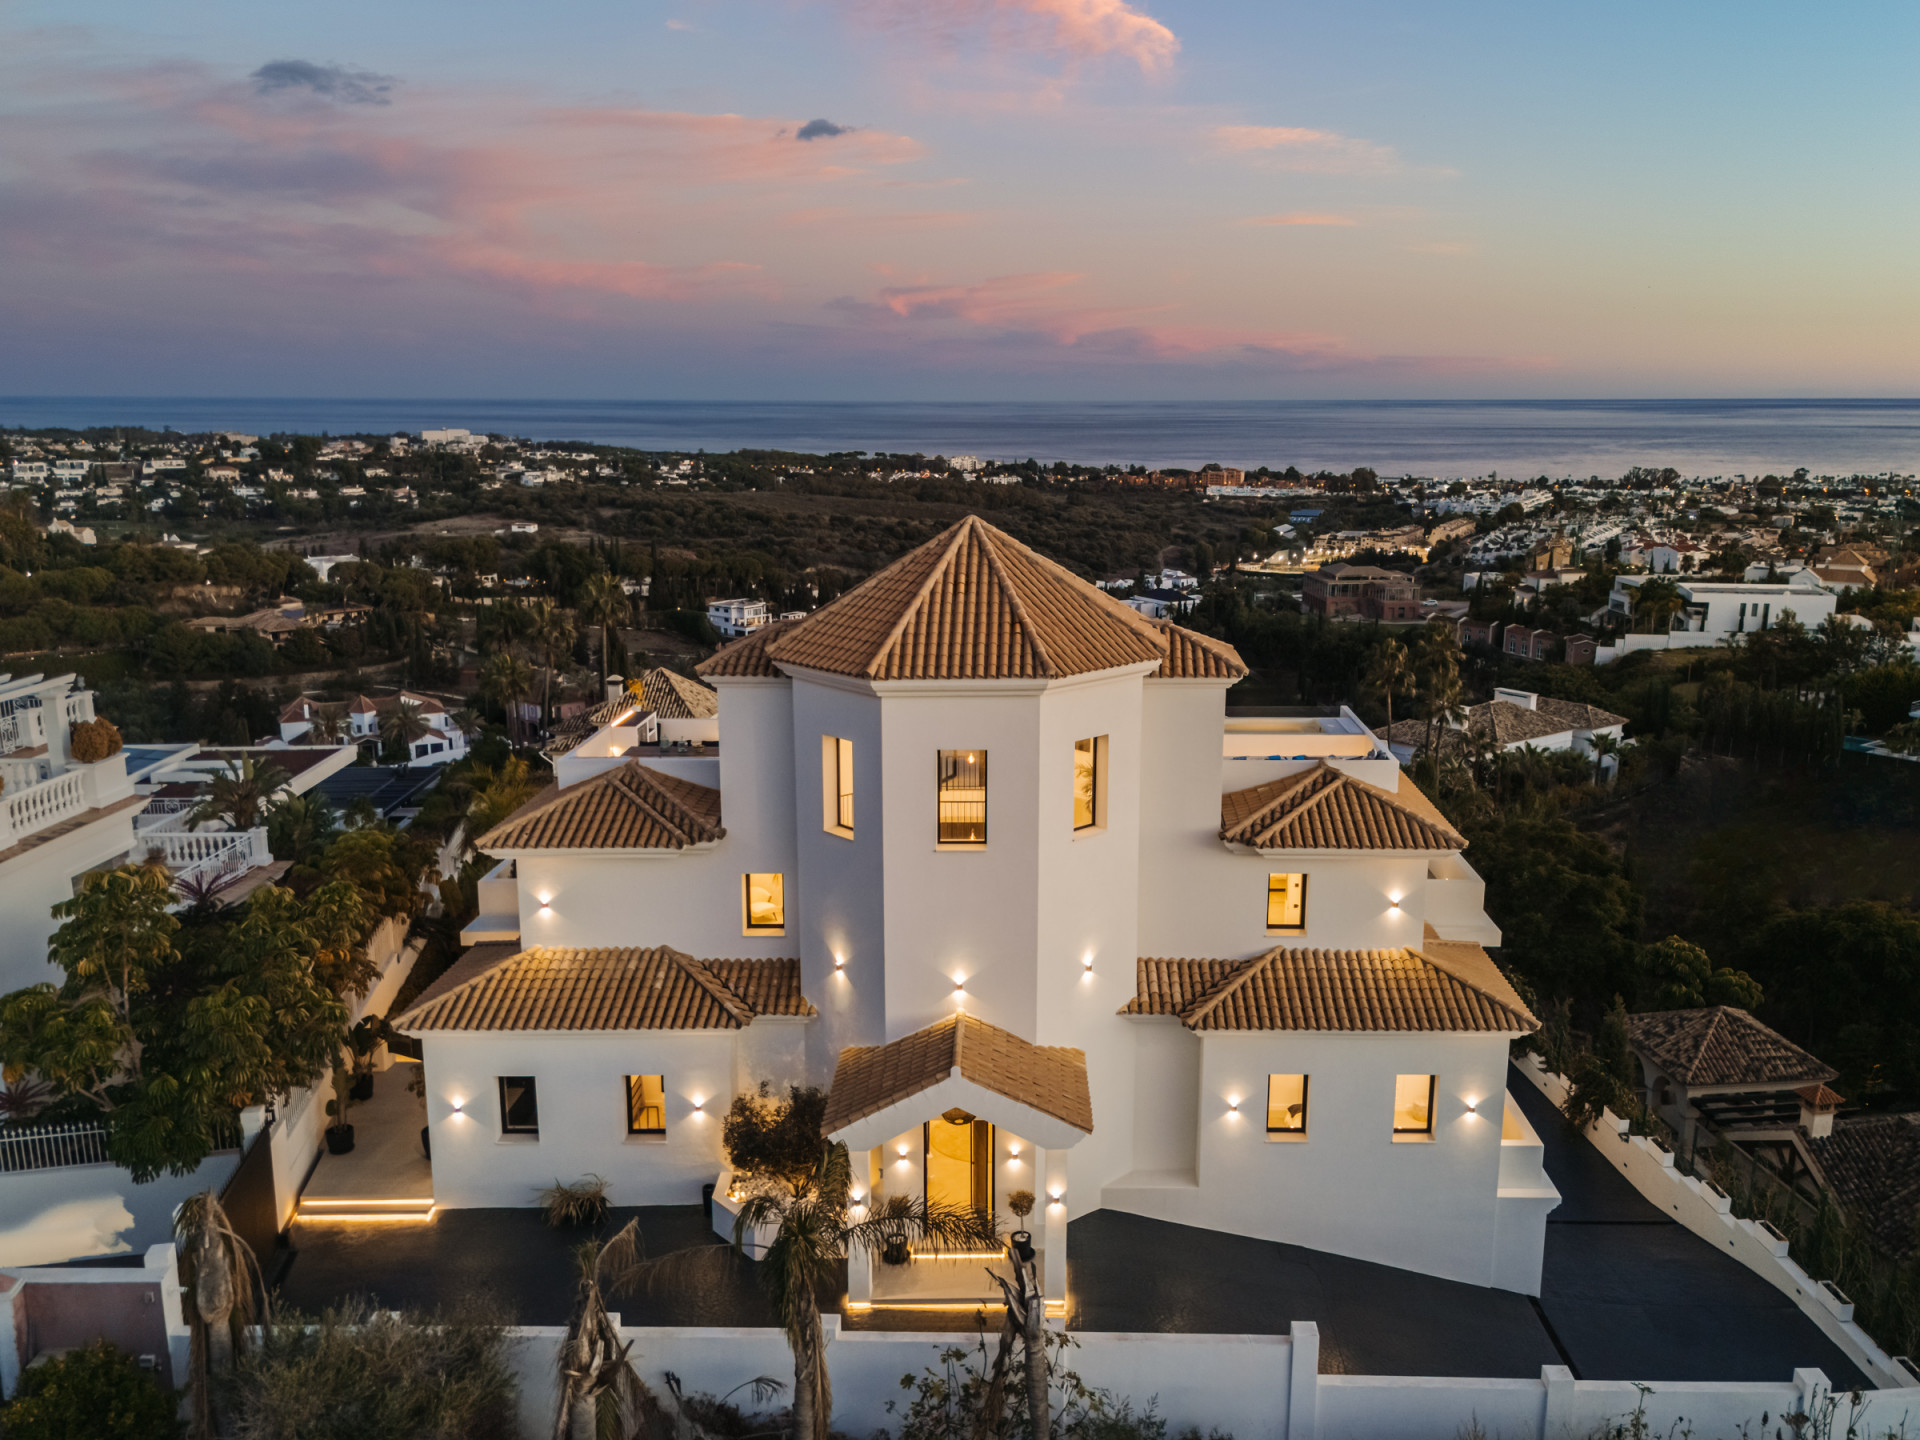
[{"x": 1628, "y": 1294}]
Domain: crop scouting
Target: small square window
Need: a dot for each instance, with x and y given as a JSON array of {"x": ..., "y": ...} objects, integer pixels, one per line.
[
  {"x": 1413, "y": 1105},
  {"x": 646, "y": 1104},
  {"x": 766, "y": 902},
  {"x": 963, "y": 797},
  {"x": 519, "y": 1106},
  {"x": 1286, "y": 1105},
  {"x": 1286, "y": 902}
]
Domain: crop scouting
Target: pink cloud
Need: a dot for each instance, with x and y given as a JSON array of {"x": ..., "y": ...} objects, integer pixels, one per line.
[
  {"x": 1288, "y": 147},
  {"x": 1300, "y": 217},
  {"x": 1076, "y": 29}
]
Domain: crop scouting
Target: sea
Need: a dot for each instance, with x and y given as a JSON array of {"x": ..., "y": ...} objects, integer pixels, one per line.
[{"x": 1438, "y": 438}]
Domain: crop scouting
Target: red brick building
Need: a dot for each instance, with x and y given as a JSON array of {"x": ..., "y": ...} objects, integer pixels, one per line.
[{"x": 1366, "y": 591}]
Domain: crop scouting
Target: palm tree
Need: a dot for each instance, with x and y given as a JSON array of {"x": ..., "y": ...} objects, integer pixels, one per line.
[
  {"x": 239, "y": 794},
  {"x": 604, "y": 603},
  {"x": 328, "y": 724},
  {"x": 467, "y": 723},
  {"x": 815, "y": 1231},
  {"x": 1605, "y": 747},
  {"x": 504, "y": 679},
  {"x": 1657, "y": 600},
  {"x": 220, "y": 1280},
  {"x": 600, "y": 1391},
  {"x": 403, "y": 724},
  {"x": 1391, "y": 670},
  {"x": 553, "y": 638}
]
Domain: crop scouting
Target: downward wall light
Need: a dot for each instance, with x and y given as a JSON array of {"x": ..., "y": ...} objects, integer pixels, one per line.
[
  {"x": 458, "y": 1105},
  {"x": 700, "y": 1104},
  {"x": 1233, "y": 1103},
  {"x": 1473, "y": 1106}
]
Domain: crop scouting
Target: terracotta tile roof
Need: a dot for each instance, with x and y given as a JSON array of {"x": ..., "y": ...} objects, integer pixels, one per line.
[
  {"x": 631, "y": 808},
  {"x": 1872, "y": 1165},
  {"x": 569, "y": 733},
  {"x": 1193, "y": 656},
  {"x": 1819, "y": 1097},
  {"x": 1577, "y": 713},
  {"x": 1049, "y": 1078},
  {"x": 655, "y": 988},
  {"x": 674, "y": 697},
  {"x": 1506, "y": 723},
  {"x": 1720, "y": 1045},
  {"x": 972, "y": 603},
  {"x": 748, "y": 655},
  {"x": 1354, "y": 990},
  {"x": 1327, "y": 809}
]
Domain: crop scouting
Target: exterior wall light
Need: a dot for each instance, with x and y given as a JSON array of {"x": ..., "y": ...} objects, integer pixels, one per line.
[
  {"x": 903, "y": 1152},
  {"x": 546, "y": 902},
  {"x": 1056, "y": 1196},
  {"x": 1473, "y": 1107},
  {"x": 1014, "y": 1149},
  {"x": 458, "y": 1105},
  {"x": 1086, "y": 961},
  {"x": 1394, "y": 901},
  {"x": 959, "y": 984},
  {"x": 699, "y": 1104},
  {"x": 839, "y": 962},
  {"x": 1233, "y": 1104}
]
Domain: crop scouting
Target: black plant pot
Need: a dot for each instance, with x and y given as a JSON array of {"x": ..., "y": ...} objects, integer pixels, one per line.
[
  {"x": 339, "y": 1139},
  {"x": 894, "y": 1252},
  {"x": 363, "y": 1086}
]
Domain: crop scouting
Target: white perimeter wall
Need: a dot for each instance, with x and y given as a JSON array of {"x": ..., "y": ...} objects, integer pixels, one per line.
[{"x": 34, "y": 882}]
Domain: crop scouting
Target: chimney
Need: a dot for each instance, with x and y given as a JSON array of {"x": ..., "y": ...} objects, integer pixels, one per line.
[
  {"x": 1817, "y": 1104},
  {"x": 1525, "y": 699},
  {"x": 616, "y": 687}
]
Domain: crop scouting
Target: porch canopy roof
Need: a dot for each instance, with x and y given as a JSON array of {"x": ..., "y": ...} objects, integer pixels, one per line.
[{"x": 1037, "y": 1091}]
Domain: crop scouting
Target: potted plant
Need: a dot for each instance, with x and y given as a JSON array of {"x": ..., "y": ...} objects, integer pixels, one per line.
[
  {"x": 1020, "y": 1202},
  {"x": 365, "y": 1040},
  {"x": 584, "y": 1202},
  {"x": 340, "y": 1133}
]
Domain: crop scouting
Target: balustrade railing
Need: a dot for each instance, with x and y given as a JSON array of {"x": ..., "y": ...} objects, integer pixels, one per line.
[
  {"x": 208, "y": 851},
  {"x": 48, "y": 803}
]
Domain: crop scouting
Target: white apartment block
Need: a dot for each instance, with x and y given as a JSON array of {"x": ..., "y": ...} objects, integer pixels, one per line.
[
  {"x": 735, "y": 618},
  {"x": 983, "y": 853},
  {"x": 1712, "y": 611}
]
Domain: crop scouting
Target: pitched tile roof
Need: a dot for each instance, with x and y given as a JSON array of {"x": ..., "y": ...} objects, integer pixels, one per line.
[
  {"x": 1327, "y": 809},
  {"x": 1193, "y": 656},
  {"x": 569, "y": 733},
  {"x": 747, "y": 656},
  {"x": 674, "y": 697},
  {"x": 631, "y": 808},
  {"x": 1720, "y": 1045},
  {"x": 1506, "y": 723},
  {"x": 1872, "y": 1164},
  {"x": 1577, "y": 713},
  {"x": 1353, "y": 990},
  {"x": 970, "y": 604},
  {"x": 654, "y": 988},
  {"x": 1049, "y": 1078}
]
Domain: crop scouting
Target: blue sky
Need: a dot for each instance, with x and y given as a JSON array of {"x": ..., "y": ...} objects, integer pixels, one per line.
[{"x": 1010, "y": 199}]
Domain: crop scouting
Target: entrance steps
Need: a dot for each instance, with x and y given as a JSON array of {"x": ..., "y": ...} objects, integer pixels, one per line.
[{"x": 350, "y": 1209}]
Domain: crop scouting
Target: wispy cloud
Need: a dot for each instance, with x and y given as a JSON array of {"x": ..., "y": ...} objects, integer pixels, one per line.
[
  {"x": 332, "y": 82},
  {"x": 1071, "y": 29},
  {"x": 1288, "y": 147},
  {"x": 1300, "y": 217}
]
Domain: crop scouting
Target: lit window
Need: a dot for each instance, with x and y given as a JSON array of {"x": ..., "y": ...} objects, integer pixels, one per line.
[
  {"x": 836, "y": 785},
  {"x": 1286, "y": 1104},
  {"x": 766, "y": 898},
  {"x": 646, "y": 1104},
  {"x": 1413, "y": 1105},
  {"x": 963, "y": 797},
  {"x": 1286, "y": 902},
  {"x": 519, "y": 1106},
  {"x": 1089, "y": 783}
]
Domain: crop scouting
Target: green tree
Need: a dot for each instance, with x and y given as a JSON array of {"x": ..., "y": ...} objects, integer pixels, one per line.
[
  {"x": 98, "y": 1392},
  {"x": 1390, "y": 673},
  {"x": 1675, "y": 975},
  {"x": 404, "y": 723},
  {"x": 239, "y": 794}
]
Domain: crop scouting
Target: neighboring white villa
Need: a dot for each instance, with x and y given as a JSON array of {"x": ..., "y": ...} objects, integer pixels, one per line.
[
  {"x": 358, "y": 720},
  {"x": 983, "y": 852},
  {"x": 1518, "y": 720},
  {"x": 734, "y": 618},
  {"x": 1712, "y": 610}
]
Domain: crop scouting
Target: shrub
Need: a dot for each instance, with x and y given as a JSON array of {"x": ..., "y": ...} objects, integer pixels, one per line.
[
  {"x": 93, "y": 740},
  {"x": 777, "y": 1140},
  {"x": 584, "y": 1202},
  {"x": 99, "y": 1392},
  {"x": 356, "y": 1373}
]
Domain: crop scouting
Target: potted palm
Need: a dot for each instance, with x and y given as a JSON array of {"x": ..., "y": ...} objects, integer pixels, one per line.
[{"x": 340, "y": 1133}]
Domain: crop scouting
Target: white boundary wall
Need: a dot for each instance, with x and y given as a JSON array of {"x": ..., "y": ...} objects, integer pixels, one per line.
[{"x": 1707, "y": 1213}]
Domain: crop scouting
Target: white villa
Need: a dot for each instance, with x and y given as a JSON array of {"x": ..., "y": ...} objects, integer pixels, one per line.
[
  {"x": 982, "y": 852},
  {"x": 357, "y": 721}
]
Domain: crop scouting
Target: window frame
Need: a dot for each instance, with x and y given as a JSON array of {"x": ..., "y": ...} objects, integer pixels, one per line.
[
  {"x": 651, "y": 1133},
  {"x": 939, "y": 789},
  {"x": 509, "y": 1130},
  {"x": 836, "y": 786},
  {"x": 1426, "y": 1131},
  {"x": 1098, "y": 823},
  {"x": 1301, "y": 928},
  {"x": 1295, "y": 1133},
  {"x": 747, "y": 926}
]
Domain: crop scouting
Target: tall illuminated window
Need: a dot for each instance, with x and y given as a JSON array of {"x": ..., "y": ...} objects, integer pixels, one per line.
[
  {"x": 1413, "y": 1105},
  {"x": 1286, "y": 1105},
  {"x": 836, "y": 785},
  {"x": 646, "y": 1104},
  {"x": 1089, "y": 783},
  {"x": 766, "y": 902},
  {"x": 963, "y": 797},
  {"x": 1286, "y": 902}
]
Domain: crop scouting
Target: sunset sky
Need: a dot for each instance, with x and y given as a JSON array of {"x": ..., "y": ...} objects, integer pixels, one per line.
[{"x": 983, "y": 199}]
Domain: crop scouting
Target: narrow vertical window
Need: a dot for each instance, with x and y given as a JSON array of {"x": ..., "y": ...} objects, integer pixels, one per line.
[
  {"x": 646, "y": 1104},
  {"x": 1286, "y": 902},
  {"x": 963, "y": 797},
  {"x": 836, "y": 785},
  {"x": 519, "y": 1106},
  {"x": 1287, "y": 1105},
  {"x": 1090, "y": 783},
  {"x": 1413, "y": 1105},
  {"x": 766, "y": 902}
]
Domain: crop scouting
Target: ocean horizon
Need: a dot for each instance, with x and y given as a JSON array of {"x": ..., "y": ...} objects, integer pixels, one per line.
[{"x": 1441, "y": 438}]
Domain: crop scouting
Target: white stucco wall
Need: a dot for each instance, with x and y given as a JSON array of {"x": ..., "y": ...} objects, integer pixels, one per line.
[{"x": 34, "y": 881}]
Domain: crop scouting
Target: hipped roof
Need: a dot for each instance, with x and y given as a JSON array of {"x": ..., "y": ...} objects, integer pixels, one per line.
[
  {"x": 1051, "y": 1079},
  {"x": 631, "y": 808},
  {"x": 1325, "y": 808},
  {"x": 1720, "y": 1045}
]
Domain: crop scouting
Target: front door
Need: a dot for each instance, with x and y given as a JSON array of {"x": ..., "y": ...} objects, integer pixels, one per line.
[{"x": 959, "y": 1162}]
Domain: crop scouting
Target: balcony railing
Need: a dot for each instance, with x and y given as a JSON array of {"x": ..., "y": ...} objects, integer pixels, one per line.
[
  {"x": 195, "y": 855},
  {"x": 79, "y": 1142},
  {"x": 48, "y": 803},
  {"x": 21, "y": 727}
]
